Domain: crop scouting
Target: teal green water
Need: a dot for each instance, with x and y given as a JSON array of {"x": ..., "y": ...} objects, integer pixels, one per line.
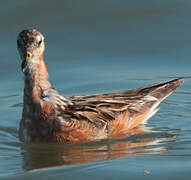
[{"x": 97, "y": 47}]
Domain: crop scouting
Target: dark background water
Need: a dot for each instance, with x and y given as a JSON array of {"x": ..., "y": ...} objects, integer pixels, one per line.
[{"x": 95, "y": 47}]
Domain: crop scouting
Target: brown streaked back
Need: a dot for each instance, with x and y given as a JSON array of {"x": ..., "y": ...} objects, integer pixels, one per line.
[{"x": 126, "y": 110}]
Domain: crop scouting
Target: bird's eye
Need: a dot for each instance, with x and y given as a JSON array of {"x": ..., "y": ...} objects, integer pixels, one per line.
[{"x": 39, "y": 43}]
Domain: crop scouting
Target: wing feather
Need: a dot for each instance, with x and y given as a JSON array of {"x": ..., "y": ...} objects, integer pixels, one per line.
[{"x": 112, "y": 113}]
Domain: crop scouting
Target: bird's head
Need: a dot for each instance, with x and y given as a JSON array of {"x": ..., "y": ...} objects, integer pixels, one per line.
[{"x": 30, "y": 44}]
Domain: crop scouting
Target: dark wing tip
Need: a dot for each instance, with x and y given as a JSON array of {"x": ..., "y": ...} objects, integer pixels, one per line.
[
  {"x": 175, "y": 83},
  {"x": 179, "y": 81},
  {"x": 166, "y": 88}
]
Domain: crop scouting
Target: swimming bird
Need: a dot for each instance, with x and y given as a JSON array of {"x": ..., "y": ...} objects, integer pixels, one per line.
[{"x": 48, "y": 116}]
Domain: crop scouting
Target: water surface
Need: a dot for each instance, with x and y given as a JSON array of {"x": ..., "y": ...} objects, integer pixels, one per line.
[{"x": 98, "y": 47}]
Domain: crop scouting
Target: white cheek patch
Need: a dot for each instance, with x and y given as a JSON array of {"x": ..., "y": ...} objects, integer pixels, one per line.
[{"x": 38, "y": 38}]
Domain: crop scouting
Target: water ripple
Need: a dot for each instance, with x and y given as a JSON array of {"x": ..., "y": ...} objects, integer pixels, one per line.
[{"x": 9, "y": 96}]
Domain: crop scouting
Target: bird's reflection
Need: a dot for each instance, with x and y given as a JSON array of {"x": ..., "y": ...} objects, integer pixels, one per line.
[{"x": 140, "y": 140}]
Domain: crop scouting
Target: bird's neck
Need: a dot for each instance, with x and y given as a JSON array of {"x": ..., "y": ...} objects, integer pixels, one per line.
[{"x": 36, "y": 80}]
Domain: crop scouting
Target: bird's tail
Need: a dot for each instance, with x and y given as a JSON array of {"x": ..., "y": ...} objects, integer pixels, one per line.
[{"x": 153, "y": 95}]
